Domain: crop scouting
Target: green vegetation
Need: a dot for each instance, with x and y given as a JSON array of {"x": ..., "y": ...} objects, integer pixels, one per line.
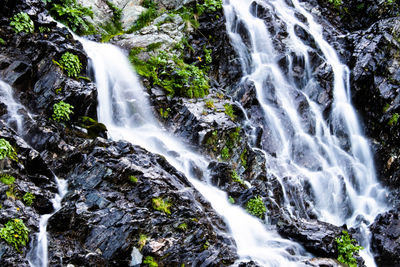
[
  {"x": 28, "y": 198},
  {"x": 231, "y": 200},
  {"x": 161, "y": 205},
  {"x": 229, "y": 111},
  {"x": 150, "y": 261},
  {"x": 2, "y": 42},
  {"x": 236, "y": 178},
  {"x": 114, "y": 27},
  {"x": 44, "y": 29},
  {"x": 71, "y": 14},
  {"x": 210, "y": 104},
  {"x": 61, "y": 111},
  {"x": 173, "y": 74},
  {"x": 133, "y": 179},
  {"x": 212, "y": 5},
  {"x": 7, "y": 179},
  {"x": 146, "y": 17},
  {"x": 346, "y": 249},
  {"x": 11, "y": 192},
  {"x": 15, "y": 233},
  {"x": 393, "y": 120},
  {"x": 142, "y": 241},
  {"x": 256, "y": 207},
  {"x": 21, "y": 22},
  {"x": 93, "y": 127},
  {"x": 243, "y": 158},
  {"x": 164, "y": 112},
  {"x": 225, "y": 153},
  {"x": 336, "y": 3},
  {"x": 71, "y": 64},
  {"x": 183, "y": 227},
  {"x": 117, "y": 14},
  {"x": 7, "y": 151}
]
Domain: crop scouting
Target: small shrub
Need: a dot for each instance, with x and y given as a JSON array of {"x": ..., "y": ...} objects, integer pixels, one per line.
[
  {"x": 62, "y": 111},
  {"x": 28, "y": 198},
  {"x": 346, "y": 249},
  {"x": 21, "y": 22},
  {"x": 71, "y": 14},
  {"x": 71, "y": 64},
  {"x": 229, "y": 111},
  {"x": 161, "y": 205},
  {"x": 7, "y": 179},
  {"x": 225, "y": 153},
  {"x": 256, "y": 207},
  {"x": 15, "y": 233},
  {"x": 150, "y": 261},
  {"x": 7, "y": 151}
]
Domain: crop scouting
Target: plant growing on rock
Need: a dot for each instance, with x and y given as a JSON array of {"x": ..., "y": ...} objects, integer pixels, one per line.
[
  {"x": 145, "y": 17},
  {"x": 7, "y": 151},
  {"x": 21, "y": 22},
  {"x": 149, "y": 260},
  {"x": 161, "y": 205},
  {"x": 71, "y": 64},
  {"x": 393, "y": 120},
  {"x": 7, "y": 179},
  {"x": 229, "y": 111},
  {"x": 28, "y": 198},
  {"x": 256, "y": 207},
  {"x": 236, "y": 178},
  {"x": 142, "y": 241},
  {"x": 62, "y": 111},
  {"x": 346, "y": 249},
  {"x": 15, "y": 233}
]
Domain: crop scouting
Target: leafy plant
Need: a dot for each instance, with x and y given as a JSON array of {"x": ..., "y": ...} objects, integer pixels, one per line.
[
  {"x": 225, "y": 153},
  {"x": 164, "y": 112},
  {"x": 183, "y": 227},
  {"x": 150, "y": 261},
  {"x": 231, "y": 200},
  {"x": 256, "y": 207},
  {"x": 11, "y": 192},
  {"x": 61, "y": 111},
  {"x": 142, "y": 241},
  {"x": 7, "y": 179},
  {"x": 346, "y": 249},
  {"x": 72, "y": 14},
  {"x": 2, "y": 42},
  {"x": 15, "y": 233},
  {"x": 210, "y": 104},
  {"x": 161, "y": 205},
  {"x": 28, "y": 198},
  {"x": 133, "y": 179},
  {"x": 7, "y": 151},
  {"x": 71, "y": 64},
  {"x": 21, "y": 22},
  {"x": 243, "y": 158},
  {"x": 229, "y": 111},
  {"x": 393, "y": 120},
  {"x": 236, "y": 178},
  {"x": 336, "y": 3}
]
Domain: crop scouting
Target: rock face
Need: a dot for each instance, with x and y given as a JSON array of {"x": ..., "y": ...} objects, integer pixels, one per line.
[
  {"x": 386, "y": 238},
  {"x": 110, "y": 205}
]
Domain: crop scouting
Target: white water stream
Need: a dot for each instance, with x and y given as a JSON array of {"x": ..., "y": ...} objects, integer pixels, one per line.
[
  {"x": 38, "y": 255},
  {"x": 125, "y": 110},
  {"x": 332, "y": 157}
]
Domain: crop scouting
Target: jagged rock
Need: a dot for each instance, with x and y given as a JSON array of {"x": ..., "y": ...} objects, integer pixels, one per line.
[
  {"x": 100, "y": 185},
  {"x": 323, "y": 262},
  {"x": 317, "y": 237},
  {"x": 385, "y": 239}
]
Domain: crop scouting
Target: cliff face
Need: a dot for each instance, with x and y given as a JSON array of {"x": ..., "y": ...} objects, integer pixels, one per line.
[{"x": 109, "y": 216}]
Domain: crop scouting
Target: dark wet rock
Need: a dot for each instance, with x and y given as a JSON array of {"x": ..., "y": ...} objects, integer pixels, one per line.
[
  {"x": 385, "y": 238},
  {"x": 101, "y": 186},
  {"x": 317, "y": 237},
  {"x": 375, "y": 83}
]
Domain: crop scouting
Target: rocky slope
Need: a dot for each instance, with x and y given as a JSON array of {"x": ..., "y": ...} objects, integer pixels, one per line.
[{"x": 109, "y": 216}]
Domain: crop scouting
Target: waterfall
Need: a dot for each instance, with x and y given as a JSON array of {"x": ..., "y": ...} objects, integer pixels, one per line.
[
  {"x": 304, "y": 146},
  {"x": 125, "y": 110},
  {"x": 38, "y": 255}
]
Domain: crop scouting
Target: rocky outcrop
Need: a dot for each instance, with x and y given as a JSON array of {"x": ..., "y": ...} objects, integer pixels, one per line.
[{"x": 385, "y": 238}]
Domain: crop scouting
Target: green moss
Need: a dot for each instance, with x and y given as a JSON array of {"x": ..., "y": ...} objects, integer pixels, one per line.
[
  {"x": 142, "y": 241},
  {"x": 231, "y": 200},
  {"x": 243, "y": 158},
  {"x": 393, "y": 120},
  {"x": 256, "y": 207},
  {"x": 161, "y": 205},
  {"x": 2, "y": 42},
  {"x": 154, "y": 46},
  {"x": 164, "y": 112},
  {"x": 225, "y": 153},
  {"x": 150, "y": 261},
  {"x": 236, "y": 178},
  {"x": 7, "y": 179},
  {"x": 210, "y": 104},
  {"x": 229, "y": 111},
  {"x": 133, "y": 179},
  {"x": 183, "y": 227}
]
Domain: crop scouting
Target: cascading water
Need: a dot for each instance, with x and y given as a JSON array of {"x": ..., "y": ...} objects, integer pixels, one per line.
[
  {"x": 124, "y": 109},
  {"x": 329, "y": 156},
  {"x": 37, "y": 256}
]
